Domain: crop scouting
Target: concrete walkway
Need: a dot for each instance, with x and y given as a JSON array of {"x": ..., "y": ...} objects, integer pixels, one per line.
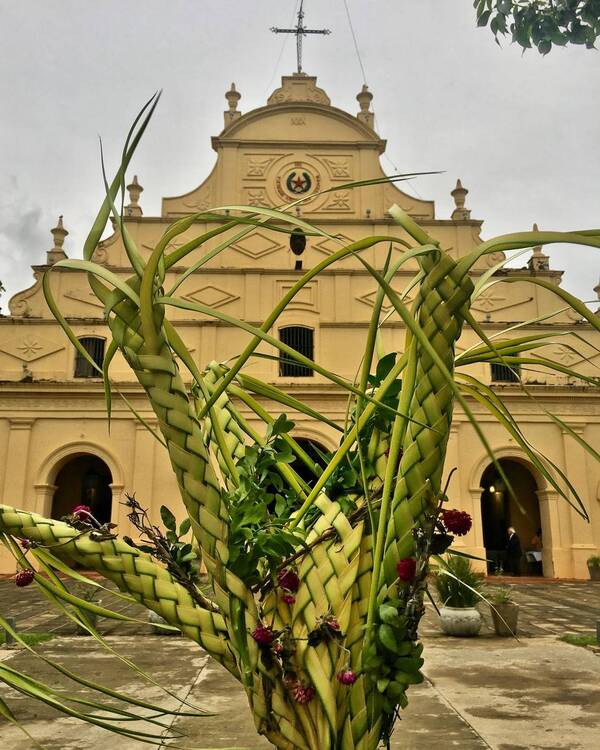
[{"x": 537, "y": 693}]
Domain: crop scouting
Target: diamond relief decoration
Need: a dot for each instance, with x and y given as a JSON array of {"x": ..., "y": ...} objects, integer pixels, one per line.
[
  {"x": 329, "y": 246},
  {"x": 567, "y": 356},
  {"x": 256, "y": 246},
  {"x": 28, "y": 348},
  {"x": 490, "y": 301},
  {"x": 369, "y": 299},
  {"x": 211, "y": 296}
]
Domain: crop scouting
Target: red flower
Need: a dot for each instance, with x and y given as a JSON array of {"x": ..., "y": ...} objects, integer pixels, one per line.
[
  {"x": 288, "y": 580},
  {"x": 406, "y": 569},
  {"x": 288, "y": 599},
  {"x": 263, "y": 636},
  {"x": 81, "y": 510},
  {"x": 24, "y": 577},
  {"x": 457, "y": 521},
  {"x": 25, "y": 543},
  {"x": 333, "y": 623},
  {"x": 347, "y": 677},
  {"x": 277, "y": 648},
  {"x": 303, "y": 695}
]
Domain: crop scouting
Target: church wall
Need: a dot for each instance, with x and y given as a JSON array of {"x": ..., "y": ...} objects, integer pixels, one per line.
[
  {"x": 56, "y": 425},
  {"x": 45, "y": 412}
]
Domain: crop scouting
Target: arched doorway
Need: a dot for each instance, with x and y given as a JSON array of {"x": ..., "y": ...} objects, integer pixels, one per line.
[
  {"x": 499, "y": 511},
  {"x": 83, "y": 480},
  {"x": 316, "y": 452}
]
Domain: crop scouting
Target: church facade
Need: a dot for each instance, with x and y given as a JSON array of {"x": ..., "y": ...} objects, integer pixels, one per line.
[{"x": 56, "y": 449}]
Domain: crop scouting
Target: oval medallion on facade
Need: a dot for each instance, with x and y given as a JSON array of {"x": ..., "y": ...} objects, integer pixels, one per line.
[{"x": 298, "y": 182}]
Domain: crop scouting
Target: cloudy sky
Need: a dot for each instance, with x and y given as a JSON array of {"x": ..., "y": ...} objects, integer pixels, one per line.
[{"x": 521, "y": 131}]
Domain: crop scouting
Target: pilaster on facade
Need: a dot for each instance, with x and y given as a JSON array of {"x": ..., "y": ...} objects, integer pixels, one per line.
[{"x": 14, "y": 491}]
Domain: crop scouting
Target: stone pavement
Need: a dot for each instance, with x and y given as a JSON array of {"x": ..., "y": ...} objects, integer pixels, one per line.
[{"x": 534, "y": 694}]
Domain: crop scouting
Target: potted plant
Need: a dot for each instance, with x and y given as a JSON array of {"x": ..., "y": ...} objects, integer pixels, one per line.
[
  {"x": 593, "y": 564},
  {"x": 457, "y": 585},
  {"x": 505, "y": 611}
]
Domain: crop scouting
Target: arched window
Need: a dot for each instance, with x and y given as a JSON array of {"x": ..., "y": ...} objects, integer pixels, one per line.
[
  {"x": 301, "y": 339},
  {"x": 504, "y": 374},
  {"x": 95, "y": 348}
]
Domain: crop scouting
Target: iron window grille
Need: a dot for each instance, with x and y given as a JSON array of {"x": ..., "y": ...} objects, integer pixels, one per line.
[
  {"x": 95, "y": 348},
  {"x": 301, "y": 339},
  {"x": 504, "y": 374}
]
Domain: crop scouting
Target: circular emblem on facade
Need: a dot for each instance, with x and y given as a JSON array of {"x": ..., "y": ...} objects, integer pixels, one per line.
[{"x": 298, "y": 182}]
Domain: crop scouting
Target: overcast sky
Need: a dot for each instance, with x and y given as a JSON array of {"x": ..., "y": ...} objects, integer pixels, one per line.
[{"x": 521, "y": 131}]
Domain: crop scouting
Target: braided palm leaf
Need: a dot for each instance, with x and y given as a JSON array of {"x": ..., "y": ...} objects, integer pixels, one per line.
[
  {"x": 348, "y": 604},
  {"x": 134, "y": 573}
]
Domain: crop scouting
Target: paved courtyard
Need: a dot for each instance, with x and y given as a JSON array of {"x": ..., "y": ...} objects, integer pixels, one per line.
[{"x": 537, "y": 693}]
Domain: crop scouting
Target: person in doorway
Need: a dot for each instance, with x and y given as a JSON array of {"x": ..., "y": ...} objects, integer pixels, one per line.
[
  {"x": 513, "y": 552},
  {"x": 536, "y": 540}
]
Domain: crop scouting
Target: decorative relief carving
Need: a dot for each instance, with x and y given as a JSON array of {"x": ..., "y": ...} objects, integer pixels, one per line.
[
  {"x": 573, "y": 315},
  {"x": 257, "y": 245},
  {"x": 212, "y": 296},
  {"x": 340, "y": 201},
  {"x": 298, "y": 120},
  {"x": 257, "y": 167},
  {"x": 491, "y": 301},
  {"x": 28, "y": 348},
  {"x": 257, "y": 197},
  {"x": 200, "y": 201},
  {"x": 566, "y": 356},
  {"x": 494, "y": 258},
  {"x": 338, "y": 168},
  {"x": 328, "y": 246},
  {"x": 306, "y": 93},
  {"x": 100, "y": 255},
  {"x": 19, "y": 305},
  {"x": 369, "y": 299},
  {"x": 488, "y": 301}
]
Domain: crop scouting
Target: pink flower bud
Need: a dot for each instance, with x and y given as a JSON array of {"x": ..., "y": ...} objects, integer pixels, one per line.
[
  {"x": 81, "y": 511},
  {"x": 288, "y": 580},
  {"x": 24, "y": 578},
  {"x": 457, "y": 522},
  {"x": 347, "y": 677},
  {"x": 263, "y": 636},
  {"x": 406, "y": 569}
]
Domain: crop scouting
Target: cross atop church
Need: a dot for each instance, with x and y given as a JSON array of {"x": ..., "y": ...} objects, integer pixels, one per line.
[{"x": 300, "y": 31}]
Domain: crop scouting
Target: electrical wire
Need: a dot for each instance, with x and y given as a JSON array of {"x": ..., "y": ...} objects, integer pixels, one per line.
[
  {"x": 364, "y": 75},
  {"x": 281, "y": 51}
]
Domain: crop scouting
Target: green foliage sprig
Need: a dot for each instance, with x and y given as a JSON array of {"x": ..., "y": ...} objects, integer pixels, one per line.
[
  {"x": 170, "y": 546},
  {"x": 542, "y": 23},
  {"x": 260, "y": 506}
]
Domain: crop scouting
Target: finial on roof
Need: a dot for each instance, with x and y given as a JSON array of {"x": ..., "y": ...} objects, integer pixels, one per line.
[
  {"x": 459, "y": 194},
  {"x": 538, "y": 261},
  {"x": 364, "y": 99},
  {"x": 134, "y": 189},
  {"x": 58, "y": 233},
  {"x": 233, "y": 96}
]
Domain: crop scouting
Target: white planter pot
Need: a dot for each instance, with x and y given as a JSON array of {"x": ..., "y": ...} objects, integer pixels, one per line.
[{"x": 460, "y": 621}]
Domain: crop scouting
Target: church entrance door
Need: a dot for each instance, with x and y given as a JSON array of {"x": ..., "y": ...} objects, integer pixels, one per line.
[
  {"x": 500, "y": 511},
  {"x": 83, "y": 480}
]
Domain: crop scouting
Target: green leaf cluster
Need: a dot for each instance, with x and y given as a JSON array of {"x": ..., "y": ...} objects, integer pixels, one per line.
[
  {"x": 260, "y": 506},
  {"x": 457, "y": 584},
  {"x": 392, "y": 659},
  {"x": 542, "y": 23}
]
